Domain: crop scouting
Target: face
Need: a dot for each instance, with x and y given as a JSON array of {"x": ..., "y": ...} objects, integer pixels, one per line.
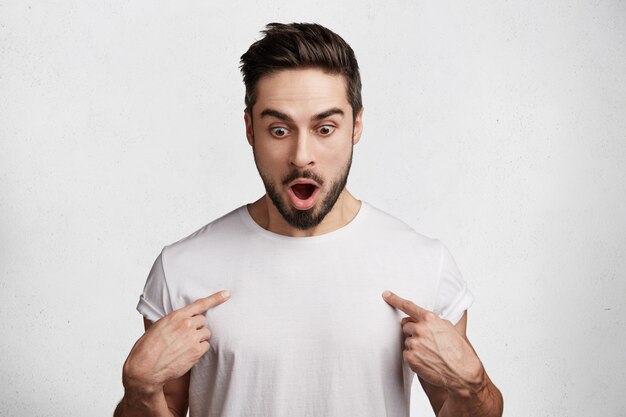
[{"x": 302, "y": 133}]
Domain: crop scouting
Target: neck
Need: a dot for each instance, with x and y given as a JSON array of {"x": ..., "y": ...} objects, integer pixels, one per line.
[{"x": 265, "y": 214}]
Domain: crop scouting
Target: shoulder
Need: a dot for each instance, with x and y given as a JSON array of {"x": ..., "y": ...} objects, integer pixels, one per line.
[
  {"x": 209, "y": 237},
  {"x": 390, "y": 227}
]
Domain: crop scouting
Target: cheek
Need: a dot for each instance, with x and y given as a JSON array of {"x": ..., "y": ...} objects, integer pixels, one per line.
[
  {"x": 338, "y": 155},
  {"x": 271, "y": 162},
  {"x": 269, "y": 153}
]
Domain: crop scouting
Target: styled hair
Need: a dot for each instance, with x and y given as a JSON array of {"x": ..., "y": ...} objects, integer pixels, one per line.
[{"x": 300, "y": 45}]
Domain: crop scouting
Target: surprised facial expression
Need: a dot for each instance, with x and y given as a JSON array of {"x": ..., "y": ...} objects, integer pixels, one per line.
[{"x": 302, "y": 133}]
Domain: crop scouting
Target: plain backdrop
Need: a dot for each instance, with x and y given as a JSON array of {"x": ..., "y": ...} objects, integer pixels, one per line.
[{"x": 497, "y": 127}]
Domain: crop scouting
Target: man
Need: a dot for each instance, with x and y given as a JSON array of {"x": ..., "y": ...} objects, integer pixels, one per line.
[{"x": 295, "y": 324}]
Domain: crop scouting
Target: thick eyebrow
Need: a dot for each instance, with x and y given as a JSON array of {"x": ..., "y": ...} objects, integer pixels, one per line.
[
  {"x": 286, "y": 118},
  {"x": 276, "y": 114},
  {"x": 327, "y": 113}
]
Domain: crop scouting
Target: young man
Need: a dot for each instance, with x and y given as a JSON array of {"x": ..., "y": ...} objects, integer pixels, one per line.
[{"x": 298, "y": 322}]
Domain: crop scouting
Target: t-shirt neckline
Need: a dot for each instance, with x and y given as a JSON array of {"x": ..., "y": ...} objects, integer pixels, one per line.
[{"x": 251, "y": 224}]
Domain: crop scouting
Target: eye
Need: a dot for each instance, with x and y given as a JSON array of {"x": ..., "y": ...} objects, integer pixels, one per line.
[
  {"x": 326, "y": 130},
  {"x": 279, "y": 132}
]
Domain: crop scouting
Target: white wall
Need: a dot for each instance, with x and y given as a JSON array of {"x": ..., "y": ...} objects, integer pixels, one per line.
[{"x": 499, "y": 127}]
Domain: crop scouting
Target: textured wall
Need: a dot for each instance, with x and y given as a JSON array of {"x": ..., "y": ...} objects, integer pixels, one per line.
[{"x": 498, "y": 127}]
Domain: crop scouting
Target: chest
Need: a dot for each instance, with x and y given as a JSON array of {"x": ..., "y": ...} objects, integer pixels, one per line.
[
  {"x": 293, "y": 303},
  {"x": 303, "y": 318}
]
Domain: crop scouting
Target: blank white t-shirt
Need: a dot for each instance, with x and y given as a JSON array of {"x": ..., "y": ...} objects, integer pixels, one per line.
[{"x": 306, "y": 332}]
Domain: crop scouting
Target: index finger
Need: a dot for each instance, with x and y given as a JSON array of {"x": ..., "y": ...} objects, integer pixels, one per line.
[
  {"x": 203, "y": 304},
  {"x": 407, "y": 306}
]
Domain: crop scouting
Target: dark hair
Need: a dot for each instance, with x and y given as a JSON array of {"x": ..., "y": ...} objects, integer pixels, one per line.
[{"x": 300, "y": 45}]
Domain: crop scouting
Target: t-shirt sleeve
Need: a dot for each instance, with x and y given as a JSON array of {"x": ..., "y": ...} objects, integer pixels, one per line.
[
  {"x": 453, "y": 295},
  {"x": 154, "y": 302}
]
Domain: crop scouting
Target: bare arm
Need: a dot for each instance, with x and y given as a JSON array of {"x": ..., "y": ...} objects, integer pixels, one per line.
[
  {"x": 485, "y": 400},
  {"x": 446, "y": 364},
  {"x": 171, "y": 401},
  {"x": 156, "y": 372}
]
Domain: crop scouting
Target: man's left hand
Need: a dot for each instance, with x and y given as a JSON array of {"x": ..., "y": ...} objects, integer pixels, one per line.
[{"x": 436, "y": 351}]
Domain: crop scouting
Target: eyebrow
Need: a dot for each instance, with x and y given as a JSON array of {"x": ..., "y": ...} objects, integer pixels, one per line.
[
  {"x": 328, "y": 113},
  {"x": 286, "y": 118}
]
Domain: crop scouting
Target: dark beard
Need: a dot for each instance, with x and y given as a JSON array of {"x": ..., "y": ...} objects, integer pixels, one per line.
[{"x": 306, "y": 219}]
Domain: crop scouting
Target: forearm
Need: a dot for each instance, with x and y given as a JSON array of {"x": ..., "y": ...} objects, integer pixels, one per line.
[
  {"x": 481, "y": 401},
  {"x": 135, "y": 405}
]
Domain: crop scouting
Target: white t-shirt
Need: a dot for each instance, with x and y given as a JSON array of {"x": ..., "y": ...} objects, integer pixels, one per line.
[{"x": 306, "y": 331}]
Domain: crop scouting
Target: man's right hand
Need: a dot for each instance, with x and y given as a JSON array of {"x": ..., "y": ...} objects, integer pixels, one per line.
[{"x": 170, "y": 347}]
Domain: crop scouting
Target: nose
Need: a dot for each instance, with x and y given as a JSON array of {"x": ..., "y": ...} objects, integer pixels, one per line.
[{"x": 302, "y": 151}]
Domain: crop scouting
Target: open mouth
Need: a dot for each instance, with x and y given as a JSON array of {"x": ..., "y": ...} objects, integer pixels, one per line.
[
  {"x": 303, "y": 194},
  {"x": 303, "y": 191}
]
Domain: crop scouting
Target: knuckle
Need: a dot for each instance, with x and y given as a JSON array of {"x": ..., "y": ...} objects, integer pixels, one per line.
[
  {"x": 410, "y": 343},
  {"x": 163, "y": 321},
  {"x": 200, "y": 349},
  {"x": 203, "y": 335},
  {"x": 173, "y": 317},
  {"x": 429, "y": 316},
  {"x": 420, "y": 328}
]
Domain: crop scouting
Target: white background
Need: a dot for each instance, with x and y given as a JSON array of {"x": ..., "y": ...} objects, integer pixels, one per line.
[{"x": 498, "y": 127}]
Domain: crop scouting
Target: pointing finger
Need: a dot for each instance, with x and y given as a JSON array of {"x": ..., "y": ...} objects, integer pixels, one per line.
[
  {"x": 405, "y": 305},
  {"x": 198, "y": 321},
  {"x": 203, "y": 304}
]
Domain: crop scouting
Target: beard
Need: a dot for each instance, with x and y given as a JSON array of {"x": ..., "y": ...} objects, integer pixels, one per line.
[{"x": 306, "y": 219}]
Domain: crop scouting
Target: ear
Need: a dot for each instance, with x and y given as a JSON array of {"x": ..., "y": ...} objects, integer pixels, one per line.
[
  {"x": 249, "y": 130},
  {"x": 358, "y": 127}
]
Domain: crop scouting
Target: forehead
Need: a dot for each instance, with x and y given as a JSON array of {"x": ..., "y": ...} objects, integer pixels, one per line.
[{"x": 302, "y": 92}]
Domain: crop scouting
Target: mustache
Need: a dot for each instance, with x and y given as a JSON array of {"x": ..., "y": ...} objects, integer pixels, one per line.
[{"x": 295, "y": 174}]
